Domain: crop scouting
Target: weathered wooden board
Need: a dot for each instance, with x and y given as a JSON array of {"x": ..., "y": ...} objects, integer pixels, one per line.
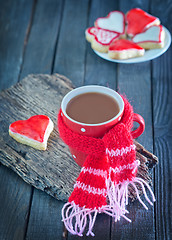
[
  {"x": 53, "y": 170},
  {"x": 39, "y": 94}
]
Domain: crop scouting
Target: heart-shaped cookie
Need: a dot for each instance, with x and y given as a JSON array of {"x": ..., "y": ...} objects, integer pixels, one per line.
[
  {"x": 138, "y": 21},
  {"x": 100, "y": 39},
  {"x": 124, "y": 49},
  {"x": 153, "y": 37},
  {"x": 34, "y": 131},
  {"x": 115, "y": 21}
]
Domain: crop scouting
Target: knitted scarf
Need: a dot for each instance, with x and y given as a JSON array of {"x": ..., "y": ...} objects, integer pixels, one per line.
[{"x": 110, "y": 167}]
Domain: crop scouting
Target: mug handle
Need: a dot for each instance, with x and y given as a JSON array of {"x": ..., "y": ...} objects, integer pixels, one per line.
[{"x": 139, "y": 119}]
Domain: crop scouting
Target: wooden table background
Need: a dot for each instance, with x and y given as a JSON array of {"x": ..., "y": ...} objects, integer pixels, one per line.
[{"x": 47, "y": 36}]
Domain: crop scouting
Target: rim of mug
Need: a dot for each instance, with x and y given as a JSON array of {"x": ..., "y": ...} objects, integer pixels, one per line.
[{"x": 92, "y": 88}]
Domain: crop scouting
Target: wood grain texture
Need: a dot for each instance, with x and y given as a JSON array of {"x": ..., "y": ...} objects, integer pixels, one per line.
[
  {"x": 12, "y": 38},
  {"x": 45, "y": 218},
  {"x": 162, "y": 105},
  {"x": 162, "y": 115},
  {"x": 44, "y": 33},
  {"x": 14, "y": 200},
  {"x": 14, "y": 205},
  {"x": 70, "y": 54}
]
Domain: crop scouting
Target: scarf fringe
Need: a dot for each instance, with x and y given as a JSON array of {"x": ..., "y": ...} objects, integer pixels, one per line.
[
  {"x": 118, "y": 196},
  {"x": 76, "y": 218}
]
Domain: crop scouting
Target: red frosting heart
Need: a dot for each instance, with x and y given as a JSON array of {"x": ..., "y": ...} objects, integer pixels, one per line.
[
  {"x": 33, "y": 128},
  {"x": 139, "y": 20},
  {"x": 123, "y": 44}
]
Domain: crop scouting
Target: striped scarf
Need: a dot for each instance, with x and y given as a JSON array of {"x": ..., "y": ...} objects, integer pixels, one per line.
[{"x": 109, "y": 169}]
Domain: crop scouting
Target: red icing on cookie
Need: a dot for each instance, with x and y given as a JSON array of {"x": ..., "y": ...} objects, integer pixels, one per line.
[
  {"x": 102, "y": 36},
  {"x": 33, "y": 128},
  {"x": 123, "y": 44},
  {"x": 139, "y": 20},
  {"x": 114, "y": 21}
]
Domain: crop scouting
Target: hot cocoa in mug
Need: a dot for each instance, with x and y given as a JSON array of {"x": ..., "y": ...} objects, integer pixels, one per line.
[
  {"x": 91, "y": 111},
  {"x": 92, "y": 108}
]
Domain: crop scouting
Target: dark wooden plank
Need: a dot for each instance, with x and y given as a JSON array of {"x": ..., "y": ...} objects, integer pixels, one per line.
[
  {"x": 70, "y": 55},
  {"x": 39, "y": 53},
  {"x": 46, "y": 223},
  {"x": 134, "y": 80},
  {"x": 162, "y": 105},
  {"x": 15, "y": 20},
  {"x": 14, "y": 202},
  {"x": 15, "y": 194},
  {"x": 126, "y": 6},
  {"x": 162, "y": 9}
]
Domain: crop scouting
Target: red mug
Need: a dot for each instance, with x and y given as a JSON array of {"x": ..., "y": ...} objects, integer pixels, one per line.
[{"x": 99, "y": 129}]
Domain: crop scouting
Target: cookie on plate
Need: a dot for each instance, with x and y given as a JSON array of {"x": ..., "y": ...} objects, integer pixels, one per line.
[
  {"x": 138, "y": 21},
  {"x": 152, "y": 38},
  {"x": 33, "y": 132},
  {"x": 100, "y": 39},
  {"x": 115, "y": 21},
  {"x": 124, "y": 49}
]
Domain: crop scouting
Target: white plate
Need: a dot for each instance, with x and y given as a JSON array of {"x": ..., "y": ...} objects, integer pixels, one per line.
[{"x": 149, "y": 54}]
